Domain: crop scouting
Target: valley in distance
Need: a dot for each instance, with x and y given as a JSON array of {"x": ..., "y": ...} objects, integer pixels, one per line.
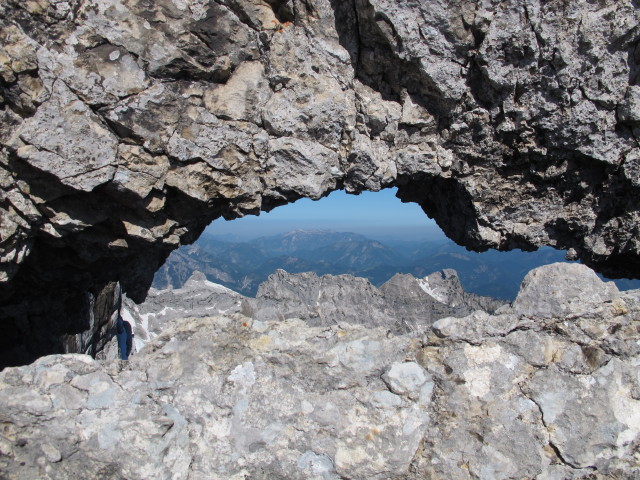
[{"x": 243, "y": 264}]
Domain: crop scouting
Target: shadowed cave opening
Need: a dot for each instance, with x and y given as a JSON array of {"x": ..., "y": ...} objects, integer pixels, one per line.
[{"x": 372, "y": 235}]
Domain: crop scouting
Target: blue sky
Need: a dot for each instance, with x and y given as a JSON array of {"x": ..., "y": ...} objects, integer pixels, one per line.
[{"x": 376, "y": 214}]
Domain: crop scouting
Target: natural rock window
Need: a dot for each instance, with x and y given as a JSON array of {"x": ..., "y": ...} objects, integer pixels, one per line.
[
  {"x": 127, "y": 126},
  {"x": 126, "y": 130}
]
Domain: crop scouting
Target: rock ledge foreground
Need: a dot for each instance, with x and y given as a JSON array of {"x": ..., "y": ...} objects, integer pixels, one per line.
[{"x": 545, "y": 389}]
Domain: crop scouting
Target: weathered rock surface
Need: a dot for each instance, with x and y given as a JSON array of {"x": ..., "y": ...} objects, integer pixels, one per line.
[
  {"x": 424, "y": 300},
  {"x": 196, "y": 299},
  {"x": 127, "y": 126},
  {"x": 404, "y": 303},
  {"x": 401, "y": 305},
  {"x": 513, "y": 395}
]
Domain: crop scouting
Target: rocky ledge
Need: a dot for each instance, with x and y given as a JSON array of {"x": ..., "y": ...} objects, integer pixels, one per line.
[
  {"x": 127, "y": 126},
  {"x": 546, "y": 388}
]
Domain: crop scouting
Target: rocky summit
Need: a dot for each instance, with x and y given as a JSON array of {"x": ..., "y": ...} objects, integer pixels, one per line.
[
  {"x": 544, "y": 390},
  {"x": 401, "y": 305},
  {"x": 127, "y": 126}
]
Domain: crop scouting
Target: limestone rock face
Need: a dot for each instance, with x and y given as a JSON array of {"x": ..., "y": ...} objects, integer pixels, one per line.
[
  {"x": 553, "y": 290},
  {"x": 399, "y": 306},
  {"x": 512, "y": 395},
  {"x": 325, "y": 300},
  {"x": 424, "y": 300},
  {"x": 197, "y": 298},
  {"x": 127, "y": 126}
]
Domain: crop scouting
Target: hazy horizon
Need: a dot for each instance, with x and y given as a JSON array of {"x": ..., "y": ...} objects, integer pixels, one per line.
[{"x": 373, "y": 214}]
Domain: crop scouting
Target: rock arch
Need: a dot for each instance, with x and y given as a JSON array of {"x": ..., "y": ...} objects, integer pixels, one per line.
[{"x": 128, "y": 126}]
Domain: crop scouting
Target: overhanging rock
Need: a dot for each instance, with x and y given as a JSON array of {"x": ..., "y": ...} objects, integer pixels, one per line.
[{"x": 127, "y": 126}]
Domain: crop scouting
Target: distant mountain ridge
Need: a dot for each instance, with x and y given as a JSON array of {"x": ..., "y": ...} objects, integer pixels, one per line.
[
  {"x": 243, "y": 266},
  {"x": 295, "y": 241}
]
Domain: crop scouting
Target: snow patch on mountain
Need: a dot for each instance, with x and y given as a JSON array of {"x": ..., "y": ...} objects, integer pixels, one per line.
[{"x": 439, "y": 295}]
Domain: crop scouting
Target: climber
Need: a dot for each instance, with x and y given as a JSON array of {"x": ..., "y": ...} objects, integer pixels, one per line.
[
  {"x": 123, "y": 336},
  {"x": 129, "y": 330},
  {"x": 124, "y": 333}
]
